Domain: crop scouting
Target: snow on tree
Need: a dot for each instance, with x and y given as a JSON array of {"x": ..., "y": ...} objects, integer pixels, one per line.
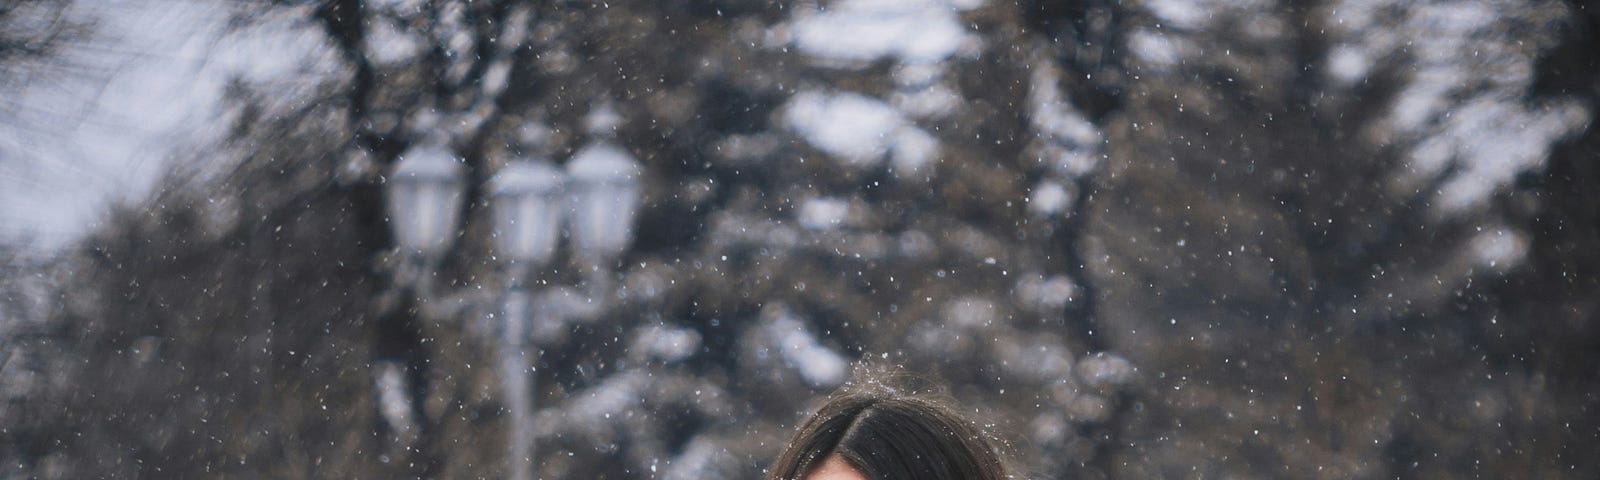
[{"x": 1151, "y": 239}]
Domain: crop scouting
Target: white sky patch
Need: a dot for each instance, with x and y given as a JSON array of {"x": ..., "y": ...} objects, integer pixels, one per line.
[
  {"x": 1347, "y": 16},
  {"x": 393, "y": 401},
  {"x": 1348, "y": 65},
  {"x": 823, "y": 213},
  {"x": 668, "y": 344},
  {"x": 1045, "y": 295},
  {"x": 1499, "y": 248},
  {"x": 387, "y": 44},
  {"x": 1418, "y": 104},
  {"x": 912, "y": 150},
  {"x": 699, "y": 457},
  {"x": 918, "y": 74},
  {"x": 862, "y": 31},
  {"x": 921, "y": 91},
  {"x": 1048, "y": 198},
  {"x": 1068, "y": 143},
  {"x": 1105, "y": 369},
  {"x": 970, "y": 312},
  {"x": 1179, "y": 13},
  {"x": 857, "y": 129},
  {"x": 1495, "y": 141},
  {"x": 1053, "y": 116},
  {"x": 819, "y": 366},
  {"x": 1154, "y": 48},
  {"x": 1461, "y": 114},
  {"x": 597, "y": 406},
  {"x": 933, "y": 101},
  {"x": 397, "y": 6},
  {"x": 496, "y": 78},
  {"x": 161, "y": 68}
]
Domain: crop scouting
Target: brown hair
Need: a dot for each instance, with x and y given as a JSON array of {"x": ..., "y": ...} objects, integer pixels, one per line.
[{"x": 891, "y": 434}]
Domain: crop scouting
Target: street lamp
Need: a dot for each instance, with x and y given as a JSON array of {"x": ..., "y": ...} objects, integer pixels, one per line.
[
  {"x": 604, "y": 184},
  {"x": 597, "y": 196},
  {"x": 599, "y": 191},
  {"x": 424, "y": 199},
  {"x": 525, "y": 197},
  {"x": 526, "y": 200}
]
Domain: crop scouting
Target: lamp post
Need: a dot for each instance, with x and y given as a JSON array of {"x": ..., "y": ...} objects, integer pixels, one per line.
[
  {"x": 423, "y": 200},
  {"x": 525, "y": 196},
  {"x": 597, "y": 195}
]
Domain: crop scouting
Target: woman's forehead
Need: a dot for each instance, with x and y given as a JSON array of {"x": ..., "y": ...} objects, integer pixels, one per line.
[{"x": 834, "y": 467}]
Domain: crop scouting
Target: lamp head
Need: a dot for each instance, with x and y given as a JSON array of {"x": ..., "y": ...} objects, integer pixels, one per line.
[
  {"x": 525, "y": 197},
  {"x": 604, "y": 191},
  {"x": 424, "y": 199}
]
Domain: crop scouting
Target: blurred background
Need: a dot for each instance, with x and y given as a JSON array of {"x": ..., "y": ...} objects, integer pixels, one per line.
[{"x": 639, "y": 239}]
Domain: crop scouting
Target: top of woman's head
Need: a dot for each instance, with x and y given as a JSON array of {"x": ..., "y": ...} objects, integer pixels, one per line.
[{"x": 890, "y": 433}]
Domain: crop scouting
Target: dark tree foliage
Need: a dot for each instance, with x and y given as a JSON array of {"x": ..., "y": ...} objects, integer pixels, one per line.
[{"x": 1301, "y": 316}]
